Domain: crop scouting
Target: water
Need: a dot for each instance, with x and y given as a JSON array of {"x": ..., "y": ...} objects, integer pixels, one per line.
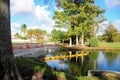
[{"x": 79, "y": 66}]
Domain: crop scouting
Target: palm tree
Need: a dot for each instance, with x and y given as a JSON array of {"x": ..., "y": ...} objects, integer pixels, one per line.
[
  {"x": 8, "y": 69},
  {"x": 23, "y": 28}
]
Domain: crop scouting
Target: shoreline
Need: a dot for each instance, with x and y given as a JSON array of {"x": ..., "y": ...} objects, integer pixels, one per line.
[{"x": 91, "y": 48}]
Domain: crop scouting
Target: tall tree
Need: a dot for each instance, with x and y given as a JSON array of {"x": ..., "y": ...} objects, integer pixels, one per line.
[
  {"x": 79, "y": 14},
  {"x": 96, "y": 25},
  {"x": 59, "y": 35},
  {"x": 88, "y": 12},
  {"x": 67, "y": 18},
  {"x": 8, "y": 69}
]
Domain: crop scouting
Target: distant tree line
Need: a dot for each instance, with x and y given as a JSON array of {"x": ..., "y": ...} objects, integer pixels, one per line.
[
  {"x": 111, "y": 34},
  {"x": 36, "y": 34}
]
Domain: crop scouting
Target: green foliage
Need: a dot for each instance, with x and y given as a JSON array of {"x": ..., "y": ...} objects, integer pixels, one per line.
[
  {"x": 62, "y": 49},
  {"x": 59, "y": 35},
  {"x": 37, "y": 65},
  {"x": 87, "y": 78},
  {"x": 77, "y": 17},
  {"x": 93, "y": 55},
  {"x": 113, "y": 45},
  {"x": 29, "y": 33},
  {"x": 32, "y": 63},
  {"x": 111, "y": 56},
  {"x": 23, "y": 28},
  {"x": 18, "y": 35},
  {"x": 111, "y": 34},
  {"x": 93, "y": 42},
  {"x": 36, "y": 34},
  {"x": 41, "y": 40}
]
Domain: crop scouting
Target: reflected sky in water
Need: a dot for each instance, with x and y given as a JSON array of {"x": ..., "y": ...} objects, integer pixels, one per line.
[
  {"x": 58, "y": 64},
  {"x": 104, "y": 64},
  {"x": 81, "y": 65}
]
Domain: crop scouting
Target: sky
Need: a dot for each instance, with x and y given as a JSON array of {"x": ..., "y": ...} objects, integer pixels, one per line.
[{"x": 35, "y": 14}]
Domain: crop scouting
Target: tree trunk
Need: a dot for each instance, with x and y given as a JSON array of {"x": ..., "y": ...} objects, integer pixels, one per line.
[
  {"x": 77, "y": 40},
  {"x": 8, "y": 69},
  {"x": 82, "y": 39},
  {"x": 95, "y": 31},
  {"x": 70, "y": 43}
]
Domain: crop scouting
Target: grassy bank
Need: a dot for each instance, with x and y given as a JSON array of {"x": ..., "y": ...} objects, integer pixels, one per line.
[
  {"x": 29, "y": 66},
  {"x": 103, "y": 46},
  {"x": 113, "y": 45}
]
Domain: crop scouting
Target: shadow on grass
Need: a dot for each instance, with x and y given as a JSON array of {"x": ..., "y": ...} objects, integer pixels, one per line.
[{"x": 48, "y": 74}]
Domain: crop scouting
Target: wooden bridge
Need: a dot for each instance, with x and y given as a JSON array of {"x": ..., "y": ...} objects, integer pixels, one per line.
[{"x": 66, "y": 56}]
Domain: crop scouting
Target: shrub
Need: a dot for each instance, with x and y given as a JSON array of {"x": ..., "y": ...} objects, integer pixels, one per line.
[{"x": 93, "y": 42}]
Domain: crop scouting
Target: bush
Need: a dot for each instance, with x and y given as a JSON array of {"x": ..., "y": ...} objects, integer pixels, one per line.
[{"x": 93, "y": 42}]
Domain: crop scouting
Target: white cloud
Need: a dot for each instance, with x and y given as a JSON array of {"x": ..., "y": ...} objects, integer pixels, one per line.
[
  {"x": 116, "y": 23},
  {"x": 22, "y": 6},
  {"x": 47, "y": 28},
  {"x": 58, "y": 9},
  {"x": 15, "y": 28},
  {"x": 41, "y": 14},
  {"x": 33, "y": 27},
  {"x": 25, "y": 7},
  {"x": 104, "y": 25},
  {"x": 112, "y": 3}
]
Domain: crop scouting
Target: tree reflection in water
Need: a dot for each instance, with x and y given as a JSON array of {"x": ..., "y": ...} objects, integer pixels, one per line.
[{"x": 79, "y": 66}]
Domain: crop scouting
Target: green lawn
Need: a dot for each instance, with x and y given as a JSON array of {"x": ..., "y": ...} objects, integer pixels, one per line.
[{"x": 109, "y": 45}]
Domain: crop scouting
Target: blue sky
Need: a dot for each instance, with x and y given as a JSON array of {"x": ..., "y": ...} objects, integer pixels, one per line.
[{"x": 36, "y": 14}]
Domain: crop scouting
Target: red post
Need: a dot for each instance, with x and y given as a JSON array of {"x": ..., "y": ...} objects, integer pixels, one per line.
[
  {"x": 42, "y": 45},
  {"x": 20, "y": 47},
  {"x": 12, "y": 46},
  {"x": 36, "y": 46},
  {"x": 28, "y": 46}
]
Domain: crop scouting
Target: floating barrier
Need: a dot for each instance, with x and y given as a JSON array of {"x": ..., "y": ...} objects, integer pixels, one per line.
[{"x": 67, "y": 56}]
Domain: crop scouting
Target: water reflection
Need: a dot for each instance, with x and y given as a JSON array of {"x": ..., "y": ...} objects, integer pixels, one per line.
[
  {"x": 57, "y": 64},
  {"x": 109, "y": 61},
  {"x": 79, "y": 66}
]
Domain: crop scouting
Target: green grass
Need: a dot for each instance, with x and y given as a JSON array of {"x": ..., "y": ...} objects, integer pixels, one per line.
[
  {"x": 41, "y": 66},
  {"x": 87, "y": 78},
  {"x": 110, "y": 45},
  {"x": 32, "y": 63}
]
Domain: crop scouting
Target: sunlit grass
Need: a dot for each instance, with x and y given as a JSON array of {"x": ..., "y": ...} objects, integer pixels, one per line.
[{"x": 110, "y": 45}]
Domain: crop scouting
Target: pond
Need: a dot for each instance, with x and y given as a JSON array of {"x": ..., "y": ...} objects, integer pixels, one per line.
[{"x": 79, "y": 66}]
